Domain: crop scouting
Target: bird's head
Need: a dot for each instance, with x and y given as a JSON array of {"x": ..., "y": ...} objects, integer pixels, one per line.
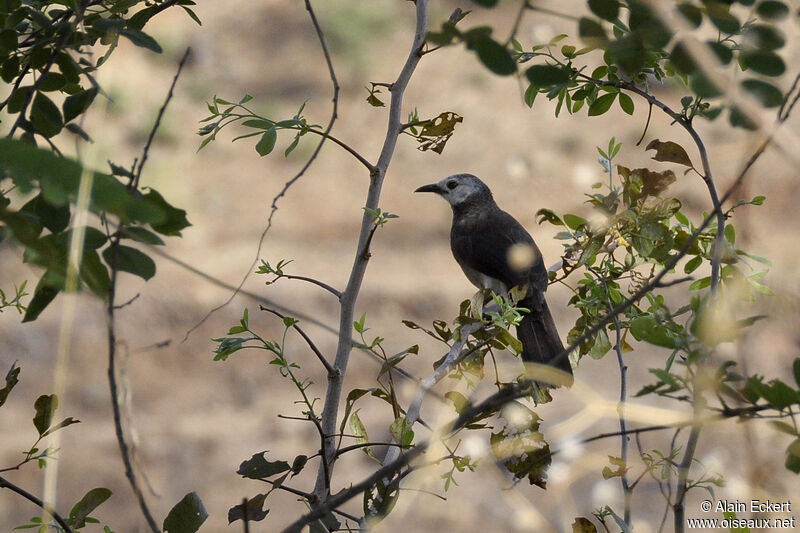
[{"x": 459, "y": 189}]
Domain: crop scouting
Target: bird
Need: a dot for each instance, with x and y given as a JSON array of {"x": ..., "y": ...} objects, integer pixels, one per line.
[{"x": 496, "y": 252}]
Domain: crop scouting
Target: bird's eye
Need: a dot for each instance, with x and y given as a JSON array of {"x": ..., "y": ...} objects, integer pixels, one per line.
[{"x": 452, "y": 185}]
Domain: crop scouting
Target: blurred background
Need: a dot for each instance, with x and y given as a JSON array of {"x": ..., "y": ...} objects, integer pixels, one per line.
[{"x": 192, "y": 421}]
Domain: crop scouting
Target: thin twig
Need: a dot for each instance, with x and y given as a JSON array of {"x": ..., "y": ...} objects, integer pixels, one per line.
[
  {"x": 112, "y": 381},
  {"x": 129, "y": 302},
  {"x": 6, "y": 484},
  {"x": 288, "y": 184},
  {"x": 138, "y": 171},
  {"x": 316, "y": 282},
  {"x": 302, "y": 333},
  {"x": 352, "y": 447},
  {"x": 111, "y": 308},
  {"x": 517, "y": 21},
  {"x": 361, "y": 159},
  {"x": 623, "y": 392}
]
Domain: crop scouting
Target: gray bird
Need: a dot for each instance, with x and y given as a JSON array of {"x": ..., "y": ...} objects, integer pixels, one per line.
[{"x": 495, "y": 252}]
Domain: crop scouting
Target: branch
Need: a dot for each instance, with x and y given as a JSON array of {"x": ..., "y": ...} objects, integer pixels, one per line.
[
  {"x": 493, "y": 402},
  {"x": 308, "y": 340},
  {"x": 350, "y": 294},
  {"x": 4, "y": 483},
  {"x": 361, "y": 159},
  {"x": 316, "y": 282},
  {"x": 453, "y": 356},
  {"x": 627, "y": 489},
  {"x": 138, "y": 171},
  {"x": 112, "y": 382}
]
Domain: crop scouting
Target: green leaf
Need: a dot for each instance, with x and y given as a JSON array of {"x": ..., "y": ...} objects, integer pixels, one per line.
[
  {"x": 45, "y": 116},
  {"x": 693, "y": 264},
  {"x": 646, "y": 328},
  {"x": 530, "y": 94},
  {"x": 700, "y": 284},
  {"x": 626, "y": 103},
  {"x": 592, "y": 32},
  {"x": 174, "y": 219},
  {"x": 90, "y": 501},
  {"x": 460, "y": 401},
  {"x": 61, "y": 425},
  {"x": 12, "y": 378},
  {"x": 600, "y": 346},
  {"x": 574, "y": 221},
  {"x": 59, "y": 179},
  {"x": 75, "y": 104},
  {"x": 721, "y": 16},
  {"x": 779, "y": 394},
  {"x": 94, "y": 273},
  {"x": 45, "y": 292},
  {"x": 772, "y": 9},
  {"x": 401, "y": 431},
  {"x": 267, "y": 142},
  {"x": 764, "y": 62},
  {"x": 793, "y": 457},
  {"x": 130, "y": 260},
  {"x": 764, "y": 36},
  {"x": 605, "y": 9},
  {"x": 494, "y": 55},
  {"x": 360, "y": 434},
  {"x": 187, "y": 516},
  {"x": 602, "y": 104},
  {"x": 45, "y": 406},
  {"x": 723, "y": 53},
  {"x": 766, "y": 93},
  {"x": 52, "y": 81},
  {"x": 692, "y": 13},
  {"x": 547, "y": 75},
  {"x": 18, "y": 98},
  {"x": 140, "y": 38}
]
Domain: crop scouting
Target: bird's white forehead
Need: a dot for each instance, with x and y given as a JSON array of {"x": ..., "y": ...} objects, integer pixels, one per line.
[{"x": 466, "y": 186}]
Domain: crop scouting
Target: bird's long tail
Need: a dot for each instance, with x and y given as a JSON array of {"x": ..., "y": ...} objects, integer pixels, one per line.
[{"x": 542, "y": 345}]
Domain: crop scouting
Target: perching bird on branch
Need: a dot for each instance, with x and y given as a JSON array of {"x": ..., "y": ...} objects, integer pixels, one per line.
[{"x": 495, "y": 252}]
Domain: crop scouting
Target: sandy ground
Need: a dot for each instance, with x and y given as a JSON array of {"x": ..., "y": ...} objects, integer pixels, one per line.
[{"x": 193, "y": 420}]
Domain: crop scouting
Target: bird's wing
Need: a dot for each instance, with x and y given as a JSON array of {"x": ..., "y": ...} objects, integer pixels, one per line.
[{"x": 482, "y": 243}]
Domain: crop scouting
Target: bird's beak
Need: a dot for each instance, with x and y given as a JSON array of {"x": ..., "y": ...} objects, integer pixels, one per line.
[{"x": 433, "y": 187}]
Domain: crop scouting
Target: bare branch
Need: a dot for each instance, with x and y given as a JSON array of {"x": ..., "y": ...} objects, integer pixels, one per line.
[
  {"x": 138, "y": 171},
  {"x": 6, "y": 484},
  {"x": 350, "y": 294},
  {"x": 316, "y": 282},
  {"x": 112, "y": 382}
]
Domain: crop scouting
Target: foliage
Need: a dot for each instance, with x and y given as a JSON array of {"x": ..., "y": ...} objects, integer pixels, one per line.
[
  {"x": 619, "y": 263},
  {"x": 615, "y": 262},
  {"x": 50, "y": 52}
]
